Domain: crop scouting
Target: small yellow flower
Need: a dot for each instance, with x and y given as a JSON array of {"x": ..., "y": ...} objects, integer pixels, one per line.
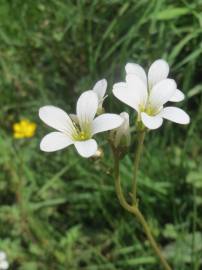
[{"x": 24, "y": 129}]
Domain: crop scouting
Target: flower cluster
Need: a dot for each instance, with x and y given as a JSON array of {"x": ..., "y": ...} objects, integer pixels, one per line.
[
  {"x": 146, "y": 94},
  {"x": 3, "y": 261},
  {"x": 24, "y": 129}
]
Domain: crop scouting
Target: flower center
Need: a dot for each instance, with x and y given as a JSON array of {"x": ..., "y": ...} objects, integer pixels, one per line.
[
  {"x": 81, "y": 136},
  {"x": 151, "y": 110},
  {"x": 148, "y": 109},
  {"x": 81, "y": 131}
]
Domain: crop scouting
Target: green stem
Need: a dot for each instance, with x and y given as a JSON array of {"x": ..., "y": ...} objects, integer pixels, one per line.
[
  {"x": 136, "y": 212},
  {"x": 194, "y": 261},
  {"x": 141, "y": 136}
]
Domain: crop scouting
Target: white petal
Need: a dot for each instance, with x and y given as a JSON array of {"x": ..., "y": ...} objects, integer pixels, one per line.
[
  {"x": 162, "y": 92},
  {"x": 132, "y": 93},
  {"x": 56, "y": 118},
  {"x": 86, "y": 108},
  {"x": 134, "y": 83},
  {"x": 158, "y": 71},
  {"x": 100, "y": 88},
  {"x": 74, "y": 118},
  {"x": 55, "y": 141},
  {"x": 137, "y": 70},
  {"x": 178, "y": 96},
  {"x": 86, "y": 148},
  {"x": 176, "y": 115},
  {"x": 124, "y": 94},
  {"x": 106, "y": 121},
  {"x": 151, "y": 122},
  {"x": 4, "y": 265}
]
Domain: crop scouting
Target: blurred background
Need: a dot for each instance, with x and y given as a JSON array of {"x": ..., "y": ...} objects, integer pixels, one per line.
[{"x": 59, "y": 211}]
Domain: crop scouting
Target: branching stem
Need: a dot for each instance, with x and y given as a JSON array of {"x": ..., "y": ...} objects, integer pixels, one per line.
[{"x": 133, "y": 209}]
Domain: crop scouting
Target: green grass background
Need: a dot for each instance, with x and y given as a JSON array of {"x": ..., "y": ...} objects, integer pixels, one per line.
[{"x": 59, "y": 211}]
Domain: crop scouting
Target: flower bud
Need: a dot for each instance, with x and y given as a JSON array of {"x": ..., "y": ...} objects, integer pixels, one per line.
[
  {"x": 100, "y": 89},
  {"x": 120, "y": 137}
]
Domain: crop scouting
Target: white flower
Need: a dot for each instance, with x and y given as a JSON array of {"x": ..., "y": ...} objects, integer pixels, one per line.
[
  {"x": 121, "y": 135},
  {"x": 80, "y": 131},
  {"x": 3, "y": 261},
  {"x": 100, "y": 89},
  {"x": 148, "y": 94},
  {"x": 2, "y": 255}
]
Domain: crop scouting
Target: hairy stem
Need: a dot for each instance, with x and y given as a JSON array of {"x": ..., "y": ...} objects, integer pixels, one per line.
[
  {"x": 141, "y": 136},
  {"x": 133, "y": 209}
]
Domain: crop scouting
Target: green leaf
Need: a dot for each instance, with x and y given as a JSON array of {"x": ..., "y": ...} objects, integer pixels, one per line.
[
  {"x": 171, "y": 13},
  {"x": 196, "y": 90}
]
